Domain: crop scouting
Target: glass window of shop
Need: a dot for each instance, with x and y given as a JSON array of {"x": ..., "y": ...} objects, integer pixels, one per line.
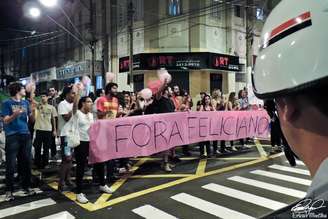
[{"x": 215, "y": 81}]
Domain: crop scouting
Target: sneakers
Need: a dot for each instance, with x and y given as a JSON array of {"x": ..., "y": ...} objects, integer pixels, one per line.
[
  {"x": 29, "y": 192},
  {"x": 105, "y": 189},
  {"x": 81, "y": 198},
  {"x": 167, "y": 168},
  {"x": 9, "y": 196}
]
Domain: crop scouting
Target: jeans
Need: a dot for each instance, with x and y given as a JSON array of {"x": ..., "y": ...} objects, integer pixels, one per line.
[
  {"x": 42, "y": 138},
  {"x": 18, "y": 146}
]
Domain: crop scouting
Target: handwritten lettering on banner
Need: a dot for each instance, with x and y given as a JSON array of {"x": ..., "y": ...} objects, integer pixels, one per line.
[{"x": 149, "y": 134}]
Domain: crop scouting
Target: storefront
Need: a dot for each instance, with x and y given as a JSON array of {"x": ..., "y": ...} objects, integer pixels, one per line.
[
  {"x": 44, "y": 79},
  {"x": 193, "y": 72},
  {"x": 74, "y": 72}
]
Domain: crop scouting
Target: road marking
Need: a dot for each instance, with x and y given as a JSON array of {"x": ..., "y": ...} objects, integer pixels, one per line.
[
  {"x": 93, "y": 207},
  {"x": 150, "y": 212},
  {"x": 160, "y": 176},
  {"x": 19, "y": 193},
  {"x": 60, "y": 215},
  {"x": 104, "y": 197},
  {"x": 269, "y": 186},
  {"x": 283, "y": 177},
  {"x": 209, "y": 207},
  {"x": 298, "y": 162},
  {"x": 260, "y": 148},
  {"x": 201, "y": 167},
  {"x": 290, "y": 169},
  {"x": 245, "y": 196},
  {"x": 26, "y": 207}
]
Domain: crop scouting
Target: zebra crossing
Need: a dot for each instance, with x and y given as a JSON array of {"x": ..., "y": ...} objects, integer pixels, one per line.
[{"x": 261, "y": 183}]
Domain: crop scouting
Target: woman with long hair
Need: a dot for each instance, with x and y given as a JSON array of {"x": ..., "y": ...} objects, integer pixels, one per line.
[
  {"x": 231, "y": 105},
  {"x": 82, "y": 109},
  {"x": 206, "y": 106}
]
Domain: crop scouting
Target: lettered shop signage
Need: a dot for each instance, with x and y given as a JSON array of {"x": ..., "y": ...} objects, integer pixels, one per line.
[{"x": 181, "y": 61}]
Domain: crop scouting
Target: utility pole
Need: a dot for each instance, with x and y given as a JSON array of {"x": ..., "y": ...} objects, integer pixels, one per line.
[
  {"x": 130, "y": 31},
  {"x": 92, "y": 45},
  {"x": 249, "y": 37}
]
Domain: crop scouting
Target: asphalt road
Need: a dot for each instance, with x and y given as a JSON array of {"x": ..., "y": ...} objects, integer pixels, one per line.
[{"x": 248, "y": 184}]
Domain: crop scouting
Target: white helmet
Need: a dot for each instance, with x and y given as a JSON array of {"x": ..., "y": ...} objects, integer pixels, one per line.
[{"x": 294, "y": 48}]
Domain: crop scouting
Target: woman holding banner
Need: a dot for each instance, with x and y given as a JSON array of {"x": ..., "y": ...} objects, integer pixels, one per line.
[
  {"x": 207, "y": 106},
  {"x": 82, "y": 110},
  {"x": 231, "y": 105}
]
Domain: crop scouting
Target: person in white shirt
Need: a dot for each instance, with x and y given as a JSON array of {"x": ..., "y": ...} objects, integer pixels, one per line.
[
  {"x": 65, "y": 108},
  {"x": 82, "y": 110}
]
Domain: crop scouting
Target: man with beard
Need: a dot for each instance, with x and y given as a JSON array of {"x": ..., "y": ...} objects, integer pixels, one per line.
[{"x": 108, "y": 108}]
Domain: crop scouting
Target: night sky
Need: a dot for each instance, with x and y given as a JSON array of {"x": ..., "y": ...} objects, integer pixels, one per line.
[{"x": 10, "y": 14}]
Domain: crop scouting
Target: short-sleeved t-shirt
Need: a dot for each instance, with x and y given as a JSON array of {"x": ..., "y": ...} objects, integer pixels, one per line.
[
  {"x": 19, "y": 124},
  {"x": 64, "y": 108},
  {"x": 44, "y": 115},
  {"x": 84, "y": 122},
  {"x": 110, "y": 106}
]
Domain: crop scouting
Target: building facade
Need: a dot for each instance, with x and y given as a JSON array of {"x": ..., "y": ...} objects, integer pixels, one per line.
[{"x": 204, "y": 44}]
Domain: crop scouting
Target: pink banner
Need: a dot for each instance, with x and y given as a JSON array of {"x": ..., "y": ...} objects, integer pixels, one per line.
[{"x": 150, "y": 134}]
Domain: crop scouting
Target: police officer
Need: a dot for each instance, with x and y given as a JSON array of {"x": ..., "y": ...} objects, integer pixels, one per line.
[{"x": 292, "y": 69}]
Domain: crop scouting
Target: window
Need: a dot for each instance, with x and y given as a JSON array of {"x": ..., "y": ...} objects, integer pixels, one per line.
[
  {"x": 241, "y": 77},
  {"x": 239, "y": 12},
  {"x": 174, "y": 7},
  {"x": 215, "y": 8},
  {"x": 138, "y": 10},
  {"x": 259, "y": 14}
]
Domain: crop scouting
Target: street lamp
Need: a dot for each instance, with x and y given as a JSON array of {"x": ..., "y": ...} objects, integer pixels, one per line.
[
  {"x": 49, "y": 3},
  {"x": 34, "y": 12}
]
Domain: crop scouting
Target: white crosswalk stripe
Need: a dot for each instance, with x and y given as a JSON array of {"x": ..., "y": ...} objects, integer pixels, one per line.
[
  {"x": 26, "y": 207},
  {"x": 19, "y": 193},
  {"x": 254, "y": 199},
  {"x": 60, "y": 215},
  {"x": 150, "y": 212},
  {"x": 290, "y": 169},
  {"x": 231, "y": 211},
  {"x": 269, "y": 186},
  {"x": 208, "y": 207},
  {"x": 298, "y": 162},
  {"x": 283, "y": 177}
]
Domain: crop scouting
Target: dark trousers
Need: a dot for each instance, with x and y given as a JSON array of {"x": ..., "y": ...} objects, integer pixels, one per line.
[
  {"x": 185, "y": 149},
  {"x": 222, "y": 146},
  {"x": 42, "y": 139},
  {"x": 275, "y": 133},
  {"x": 81, "y": 154},
  {"x": 202, "y": 146},
  {"x": 110, "y": 167},
  {"x": 53, "y": 147},
  {"x": 18, "y": 146}
]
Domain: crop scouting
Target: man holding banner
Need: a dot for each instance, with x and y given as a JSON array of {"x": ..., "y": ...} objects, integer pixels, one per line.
[{"x": 107, "y": 108}]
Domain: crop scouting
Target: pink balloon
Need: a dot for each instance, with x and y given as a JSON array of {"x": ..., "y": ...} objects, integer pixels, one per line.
[
  {"x": 146, "y": 93},
  {"x": 86, "y": 80},
  {"x": 78, "y": 86},
  {"x": 161, "y": 71},
  {"x": 154, "y": 86},
  {"x": 30, "y": 87},
  {"x": 165, "y": 76},
  {"x": 110, "y": 76}
]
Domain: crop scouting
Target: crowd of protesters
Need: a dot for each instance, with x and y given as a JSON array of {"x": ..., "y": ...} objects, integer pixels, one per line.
[{"x": 49, "y": 119}]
